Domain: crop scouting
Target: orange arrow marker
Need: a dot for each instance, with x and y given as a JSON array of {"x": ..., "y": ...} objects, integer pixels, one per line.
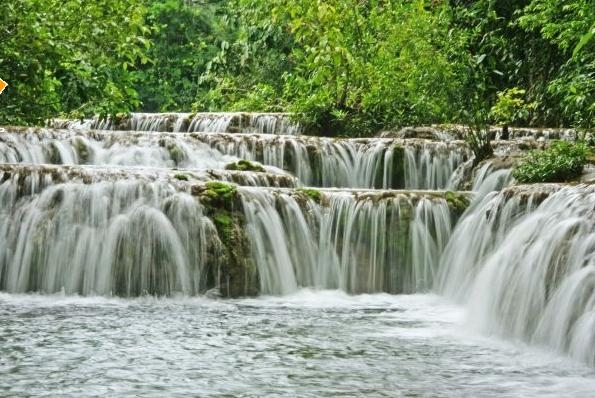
[{"x": 3, "y": 85}]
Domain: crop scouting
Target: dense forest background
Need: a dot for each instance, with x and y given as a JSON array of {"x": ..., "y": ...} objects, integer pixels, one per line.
[{"x": 349, "y": 66}]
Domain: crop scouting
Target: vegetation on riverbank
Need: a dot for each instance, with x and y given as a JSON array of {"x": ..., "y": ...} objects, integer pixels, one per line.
[
  {"x": 561, "y": 161},
  {"x": 343, "y": 67}
]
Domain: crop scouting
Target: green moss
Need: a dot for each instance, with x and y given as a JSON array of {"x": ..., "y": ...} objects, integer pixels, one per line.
[
  {"x": 224, "y": 223},
  {"x": 245, "y": 165},
  {"x": 236, "y": 274},
  {"x": 313, "y": 194},
  {"x": 456, "y": 201},
  {"x": 221, "y": 190},
  {"x": 181, "y": 177},
  {"x": 216, "y": 195}
]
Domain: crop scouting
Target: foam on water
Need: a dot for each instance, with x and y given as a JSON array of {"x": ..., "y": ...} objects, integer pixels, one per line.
[{"x": 318, "y": 344}]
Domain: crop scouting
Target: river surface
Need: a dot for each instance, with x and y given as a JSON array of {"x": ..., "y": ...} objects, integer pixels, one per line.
[{"x": 311, "y": 344}]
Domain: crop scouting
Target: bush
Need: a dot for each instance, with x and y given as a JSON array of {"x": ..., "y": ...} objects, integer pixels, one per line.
[{"x": 562, "y": 161}]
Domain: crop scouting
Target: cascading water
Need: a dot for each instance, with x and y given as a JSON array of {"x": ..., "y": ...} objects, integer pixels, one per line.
[
  {"x": 131, "y": 213},
  {"x": 359, "y": 245},
  {"x": 432, "y": 165},
  {"x": 323, "y": 162},
  {"x": 527, "y": 269},
  {"x": 39, "y": 146},
  {"x": 124, "y": 238},
  {"x": 357, "y": 163},
  {"x": 207, "y": 122}
]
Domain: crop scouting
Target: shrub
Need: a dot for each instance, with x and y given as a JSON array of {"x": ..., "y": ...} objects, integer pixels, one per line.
[
  {"x": 510, "y": 107},
  {"x": 561, "y": 161}
]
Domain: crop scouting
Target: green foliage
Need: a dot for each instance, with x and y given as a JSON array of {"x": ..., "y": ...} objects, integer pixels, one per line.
[
  {"x": 568, "y": 26},
  {"x": 510, "y": 107},
  {"x": 476, "y": 131},
  {"x": 69, "y": 58},
  {"x": 244, "y": 165},
  {"x": 562, "y": 161},
  {"x": 184, "y": 39},
  {"x": 247, "y": 71},
  {"x": 342, "y": 67}
]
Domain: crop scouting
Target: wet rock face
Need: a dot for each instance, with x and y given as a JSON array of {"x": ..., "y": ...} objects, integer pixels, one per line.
[
  {"x": 532, "y": 193},
  {"x": 426, "y": 133},
  {"x": 236, "y": 273}
]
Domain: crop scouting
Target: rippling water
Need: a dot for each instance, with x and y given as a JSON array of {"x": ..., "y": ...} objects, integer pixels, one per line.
[{"x": 308, "y": 345}]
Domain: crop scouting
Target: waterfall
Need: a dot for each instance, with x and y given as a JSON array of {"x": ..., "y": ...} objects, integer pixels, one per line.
[
  {"x": 123, "y": 237},
  {"x": 526, "y": 267},
  {"x": 207, "y": 122},
  {"x": 39, "y": 146},
  {"x": 359, "y": 244},
  {"x": 160, "y": 208},
  {"x": 315, "y": 161},
  {"x": 432, "y": 165},
  {"x": 174, "y": 122},
  {"x": 321, "y": 162}
]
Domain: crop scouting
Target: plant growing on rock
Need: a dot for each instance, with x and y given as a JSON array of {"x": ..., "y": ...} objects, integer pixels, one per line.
[
  {"x": 477, "y": 135},
  {"x": 562, "y": 161},
  {"x": 245, "y": 165}
]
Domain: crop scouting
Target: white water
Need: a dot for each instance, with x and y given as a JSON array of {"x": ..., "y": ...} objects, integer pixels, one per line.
[
  {"x": 320, "y": 162},
  {"x": 208, "y": 122},
  {"x": 433, "y": 165},
  {"x": 124, "y": 238},
  {"x": 522, "y": 270},
  {"x": 311, "y": 344},
  {"x": 355, "y": 163},
  {"x": 39, "y": 146},
  {"x": 360, "y": 245},
  {"x": 527, "y": 271}
]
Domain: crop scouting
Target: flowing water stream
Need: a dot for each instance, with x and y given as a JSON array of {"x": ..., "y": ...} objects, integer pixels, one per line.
[
  {"x": 310, "y": 344},
  {"x": 116, "y": 248}
]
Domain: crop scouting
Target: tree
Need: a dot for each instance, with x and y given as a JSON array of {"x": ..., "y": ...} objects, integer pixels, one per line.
[
  {"x": 70, "y": 58},
  {"x": 184, "y": 39}
]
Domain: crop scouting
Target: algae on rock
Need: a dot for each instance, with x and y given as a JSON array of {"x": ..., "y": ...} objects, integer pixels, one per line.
[
  {"x": 245, "y": 165},
  {"x": 236, "y": 272},
  {"x": 457, "y": 202},
  {"x": 311, "y": 193}
]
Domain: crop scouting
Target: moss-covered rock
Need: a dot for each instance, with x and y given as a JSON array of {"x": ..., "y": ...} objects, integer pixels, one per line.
[
  {"x": 235, "y": 275},
  {"x": 245, "y": 165},
  {"x": 219, "y": 194},
  {"x": 458, "y": 202},
  {"x": 181, "y": 177},
  {"x": 311, "y": 193}
]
